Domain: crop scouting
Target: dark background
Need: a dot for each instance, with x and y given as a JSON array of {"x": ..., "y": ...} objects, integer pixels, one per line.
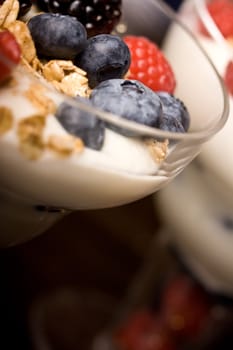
[{"x": 91, "y": 249}]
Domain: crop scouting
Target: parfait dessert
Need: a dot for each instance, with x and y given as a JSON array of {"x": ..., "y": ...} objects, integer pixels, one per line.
[
  {"x": 197, "y": 208},
  {"x": 95, "y": 110},
  {"x": 178, "y": 313}
]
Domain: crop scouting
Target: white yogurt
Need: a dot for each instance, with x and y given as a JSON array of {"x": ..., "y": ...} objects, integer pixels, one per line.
[
  {"x": 121, "y": 171},
  {"x": 217, "y": 153},
  {"x": 198, "y": 223},
  {"x": 197, "y": 208}
]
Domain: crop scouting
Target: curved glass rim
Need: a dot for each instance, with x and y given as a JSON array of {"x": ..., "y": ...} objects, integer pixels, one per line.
[
  {"x": 144, "y": 130},
  {"x": 147, "y": 131}
]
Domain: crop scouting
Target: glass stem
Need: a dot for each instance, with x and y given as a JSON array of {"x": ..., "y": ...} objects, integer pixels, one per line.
[{"x": 22, "y": 219}]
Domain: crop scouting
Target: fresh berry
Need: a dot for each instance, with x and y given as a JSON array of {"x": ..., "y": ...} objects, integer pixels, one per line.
[
  {"x": 57, "y": 36},
  {"x": 149, "y": 65},
  {"x": 82, "y": 124},
  {"x": 222, "y": 13},
  {"x": 10, "y": 54},
  {"x": 24, "y": 7},
  {"x": 129, "y": 99},
  {"x": 185, "y": 306},
  {"x": 175, "y": 116},
  {"x": 143, "y": 331},
  {"x": 98, "y": 16},
  {"x": 228, "y": 77},
  {"x": 42, "y": 5},
  {"x": 105, "y": 56}
]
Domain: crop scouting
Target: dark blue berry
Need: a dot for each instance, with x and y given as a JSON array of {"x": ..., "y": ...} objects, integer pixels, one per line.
[
  {"x": 57, "y": 36},
  {"x": 43, "y": 5},
  {"x": 82, "y": 123},
  {"x": 175, "y": 116},
  {"x": 228, "y": 223},
  {"x": 24, "y": 7},
  {"x": 129, "y": 99},
  {"x": 105, "y": 57}
]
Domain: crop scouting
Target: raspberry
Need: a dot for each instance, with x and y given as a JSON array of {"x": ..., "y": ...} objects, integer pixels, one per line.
[
  {"x": 185, "y": 307},
  {"x": 10, "y": 54},
  {"x": 222, "y": 13},
  {"x": 143, "y": 330},
  {"x": 149, "y": 65},
  {"x": 98, "y": 16},
  {"x": 228, "y": 77}
]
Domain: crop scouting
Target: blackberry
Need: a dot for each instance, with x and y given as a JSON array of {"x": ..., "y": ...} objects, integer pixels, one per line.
[
  {"x": 24, "y": 7},
  {"x": 43, "y": 5},
  {"x": 98, "y": 16}
]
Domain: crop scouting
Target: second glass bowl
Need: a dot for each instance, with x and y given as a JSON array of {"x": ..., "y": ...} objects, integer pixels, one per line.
[{"x": 197, "y": 207}]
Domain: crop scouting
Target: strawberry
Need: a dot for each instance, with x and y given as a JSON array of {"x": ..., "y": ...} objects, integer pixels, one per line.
[
  {"x": 10, "y": 54},
  {"x": 228, "y": 77},
  {"x": 143, "y": 330},
  {"x": 222, "y": 13},
  {"x": 185, "y": 307},
  {"x": 149, "y": 65}
]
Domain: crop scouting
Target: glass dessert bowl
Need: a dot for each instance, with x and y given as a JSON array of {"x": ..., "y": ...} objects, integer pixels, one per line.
[
  {"x": 203, "y": 236},
  {"x": 50, "y": 167}
]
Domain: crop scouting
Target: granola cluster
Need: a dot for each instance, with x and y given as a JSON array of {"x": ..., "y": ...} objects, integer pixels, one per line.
[
  {"x": 30, "y": 129},
  {"x": 32, "y": 144},
  {"x": 157, "y": 149},
  {"x": 6, "y": 119},
  {"x": 65, "y": 77}
]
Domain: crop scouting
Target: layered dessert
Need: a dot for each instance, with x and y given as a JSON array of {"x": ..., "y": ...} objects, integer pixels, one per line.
[
  {"x": 197, "y": 207},
  {"x": 92, "y": 115},
  {"x": 178, "y": 314}
]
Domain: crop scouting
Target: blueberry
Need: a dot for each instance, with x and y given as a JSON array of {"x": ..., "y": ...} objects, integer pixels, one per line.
[
  {"x": 129, "y": 99},
  {"x": 175, "y": 116},
  {"x": 57, "y": 36},
  {"x": 228, "y": 223},
  {"x": 82, "y": 123},
  {"x": 105, "y": 57}
]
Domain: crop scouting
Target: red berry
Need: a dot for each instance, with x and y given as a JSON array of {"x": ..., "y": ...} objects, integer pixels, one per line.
[
  {"x": 185, "y": 306},
  {"x": 228, "y": 78},
  {"x": 143, "y": 331},
  {"x": 149, "y": 65},
  {"x": 222, "y": 14},
  {"x": 10, "y": 54}
]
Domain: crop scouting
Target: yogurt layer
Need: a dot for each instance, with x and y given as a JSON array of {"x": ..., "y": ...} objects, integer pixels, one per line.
[
  {"x": 200, "y": 225},
  {"x": 217, "y": 153},
  {"x": 80, "y": 172}
]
